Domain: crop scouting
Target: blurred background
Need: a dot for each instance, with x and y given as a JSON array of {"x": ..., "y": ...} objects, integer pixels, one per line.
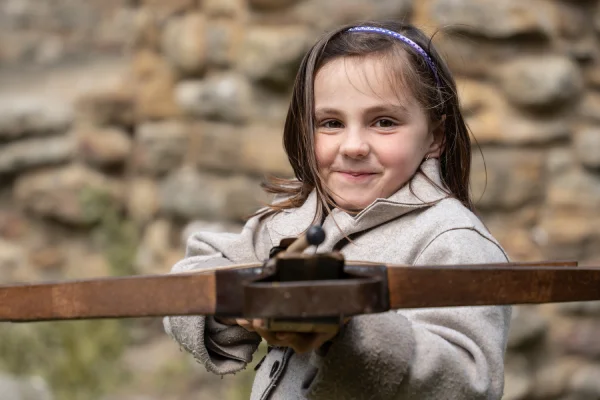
[{"x": 126, "y": 125}]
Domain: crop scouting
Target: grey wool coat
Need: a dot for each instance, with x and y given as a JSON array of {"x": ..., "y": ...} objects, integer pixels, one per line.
[{"x": 425, "y": 354}]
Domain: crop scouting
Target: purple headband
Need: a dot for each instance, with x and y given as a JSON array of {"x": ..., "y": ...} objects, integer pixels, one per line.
[{"x": 404, "y": 39}]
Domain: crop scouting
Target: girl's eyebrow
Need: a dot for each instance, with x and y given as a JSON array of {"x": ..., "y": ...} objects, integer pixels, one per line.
[
  {"x": 394, "y": 108},
  {"x": 327, "y": 111}
]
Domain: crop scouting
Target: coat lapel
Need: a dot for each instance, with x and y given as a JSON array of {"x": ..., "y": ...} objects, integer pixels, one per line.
[{"x": 421, "y": 192}]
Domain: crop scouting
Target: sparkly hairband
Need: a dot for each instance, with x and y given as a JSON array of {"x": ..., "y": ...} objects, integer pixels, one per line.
[{"x": 404, "y": 39}]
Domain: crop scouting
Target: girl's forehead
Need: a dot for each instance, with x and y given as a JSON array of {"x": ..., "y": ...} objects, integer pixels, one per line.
[{"x": 369, "y": 76}]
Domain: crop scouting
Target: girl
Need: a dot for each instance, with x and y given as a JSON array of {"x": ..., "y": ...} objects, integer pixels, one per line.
[{"x": 382, "y": 155}]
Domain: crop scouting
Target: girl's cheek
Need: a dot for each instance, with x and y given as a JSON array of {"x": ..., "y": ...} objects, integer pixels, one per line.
[
  {"x": 324, "y": 151},
  {"x": 393, "y": 154}
]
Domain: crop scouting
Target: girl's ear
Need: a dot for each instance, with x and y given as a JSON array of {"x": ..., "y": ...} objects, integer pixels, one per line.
[{"x": 439, "y": 138}]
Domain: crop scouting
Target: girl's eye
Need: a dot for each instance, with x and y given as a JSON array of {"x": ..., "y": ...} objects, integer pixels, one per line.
[
  {"x": 385, "y": 123},
  {"x": 331, "y": 124}
]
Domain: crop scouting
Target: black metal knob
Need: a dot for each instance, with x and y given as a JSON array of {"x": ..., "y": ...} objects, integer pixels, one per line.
[{"x": 315, "y": 235}]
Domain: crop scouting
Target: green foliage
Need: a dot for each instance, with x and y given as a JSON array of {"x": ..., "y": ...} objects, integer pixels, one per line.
[
  {"x": 117, "y": 236},
  {"x": 94, "y": 203},
  {"x": 79, "y": 359},
  {"x": 119, "y": 239}
]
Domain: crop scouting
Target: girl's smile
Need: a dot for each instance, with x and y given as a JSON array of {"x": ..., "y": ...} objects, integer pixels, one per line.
[{"x": 356, "y": 177}]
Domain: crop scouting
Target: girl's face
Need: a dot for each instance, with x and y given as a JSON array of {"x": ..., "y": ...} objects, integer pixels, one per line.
[{"x": 369, "y": 141}]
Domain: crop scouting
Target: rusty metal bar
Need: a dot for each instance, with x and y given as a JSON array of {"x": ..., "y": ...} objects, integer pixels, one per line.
[
  {"x": 135, "y": 296},
  {"x": 442, "y": 286}
]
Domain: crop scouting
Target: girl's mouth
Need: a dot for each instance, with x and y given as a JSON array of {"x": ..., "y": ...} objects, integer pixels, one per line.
[{"x": 356, "y": 176}]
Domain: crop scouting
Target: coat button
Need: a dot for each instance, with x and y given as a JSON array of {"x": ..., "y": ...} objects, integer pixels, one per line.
[{"x": 274, "y": 368}]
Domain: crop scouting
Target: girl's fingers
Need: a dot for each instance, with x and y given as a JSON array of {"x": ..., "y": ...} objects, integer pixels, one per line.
[
  {"x": 282, "y": 339},
  {"x": 226, "y": 321},
  {"x": 258, "y": 324},
  {"x": 270, "y": 337},
  {"x": 284, "y": 335},
  {"x": 252, "y": 325},
  {"x": 300, "y": 342},
  {"x": 246, "y": 324}
]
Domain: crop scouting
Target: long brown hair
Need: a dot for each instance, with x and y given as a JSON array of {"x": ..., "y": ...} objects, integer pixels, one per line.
[{"x": 437, "y": 99}]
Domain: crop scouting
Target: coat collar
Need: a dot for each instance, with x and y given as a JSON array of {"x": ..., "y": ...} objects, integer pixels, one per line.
[{"x": 420, "y": 192}]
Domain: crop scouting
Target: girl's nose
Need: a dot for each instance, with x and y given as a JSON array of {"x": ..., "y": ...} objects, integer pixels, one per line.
[{"x": 354, "y": 144}]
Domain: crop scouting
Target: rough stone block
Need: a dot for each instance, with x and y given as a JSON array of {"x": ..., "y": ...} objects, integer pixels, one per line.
[
  {"x": 585, "y": 382},
  {"x": 323, "y": 15},
  {"x": 272, "y": 54},
  {"x": 190, "y": 194},
  {"x": 101, "y": 108},
  {"x": 73, "y": 194},
  {"x": 184, "y": 43},
  {"x": 103, "y": 146},
  {"x": 31, "y": 116},
  {"x": 589, "y": 108},
  {"x": 255, "y": 149},
  {"x": 223, "y": 97},
  {"x": 234, "y": 9},
  {"x": 142, "y": 199},
  {"x": 165, "y": 9},
  {"x": 528, "y": 327},
  {"x": 12, "y": 258},
  {"x": 224, "y": 40},
  {"x": 37, "y": 152},
  {"x": 492, "y": 120},
  {"x": 514, "y": 177},
  {"x": 153, "y": 83},
  {"x": 587, "y": 146},
  {"x": 540, "y": 82},
  {"x": 160, "y": 146},
  {"x": 500, "y": 19}
]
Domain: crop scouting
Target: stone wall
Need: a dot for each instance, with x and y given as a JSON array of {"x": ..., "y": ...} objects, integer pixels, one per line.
[
  {"x": 50, "y": 32},
  {"x": 114, "y": 183}
]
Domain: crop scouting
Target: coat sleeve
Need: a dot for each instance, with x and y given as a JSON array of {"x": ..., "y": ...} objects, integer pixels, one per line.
[
  {"x": 222, "y": 349},
  {"x": 427, "y": 354}
]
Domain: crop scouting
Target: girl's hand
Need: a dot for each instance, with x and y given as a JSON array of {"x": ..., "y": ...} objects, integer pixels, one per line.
[
  {"x": 301, "y": 342},
  {"x": 226, "y": 321}
]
